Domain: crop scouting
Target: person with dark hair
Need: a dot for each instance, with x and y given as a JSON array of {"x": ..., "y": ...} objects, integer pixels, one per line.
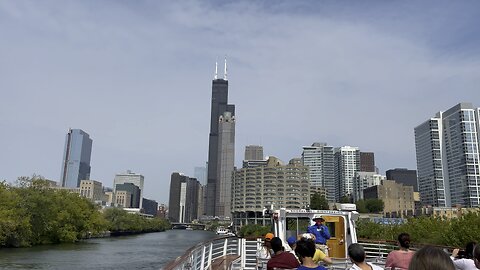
[
  {"x": 476, "y": 256},
  {"x": 357, "y": 255},
  {"x": 464, "y": 262},
  {"x": 400, "y": 259},
  {"x": 280, "y": 258},
  {"x": 429, "y": 257},
  {"x": 305, "y": 249}
]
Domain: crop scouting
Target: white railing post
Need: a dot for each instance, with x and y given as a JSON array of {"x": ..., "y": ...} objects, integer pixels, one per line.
[
  {"x": 209, "y": 263},
  {"x": 202, "y": 265},
  {"x": 225, "y": 245},
  {"x": 244, "y": 252}
]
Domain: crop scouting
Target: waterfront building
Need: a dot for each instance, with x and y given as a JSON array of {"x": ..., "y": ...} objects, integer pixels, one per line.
[
  {"x": 263, "y": 187},
  {"x": 76, "y": 158},
  {"x": 363, "y": 180},
  {"x": 183, "y": 198},
  {"x": 130, "y": 177},
  {"x": 319, "y": 157},
  {"x": 347, "y": 163},
  {"x": 123, "y": 199},
  {"x": 398, "y": 199},
  {"x": 134, "y": 192},
  {"x": 92, "y": 190},
  {"x": 367, "y": 162},
  {"x": 253, "y": 152},
  {"x": 150, "y": 207},
  {"x": 110, "y": 198},
  {"x": 404, "y": 176},
  {"x": 218, "y": 108},
  {"x": 447, "y": 150}
]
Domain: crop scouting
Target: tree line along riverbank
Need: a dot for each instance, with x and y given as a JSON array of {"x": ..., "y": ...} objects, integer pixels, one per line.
[{"x": 33, "y": 214}]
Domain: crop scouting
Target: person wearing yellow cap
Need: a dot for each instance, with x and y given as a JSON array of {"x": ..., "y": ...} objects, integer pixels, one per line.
[{"x": 264, "y": 253}]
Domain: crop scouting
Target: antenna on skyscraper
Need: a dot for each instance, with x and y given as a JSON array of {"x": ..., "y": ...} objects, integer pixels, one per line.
[
  {"x": 216, "y": 70},
  {"x": 225, "y": 70}
]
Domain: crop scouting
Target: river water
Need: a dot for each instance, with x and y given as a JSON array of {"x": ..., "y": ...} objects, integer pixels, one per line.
[{"x": 144, "y": 251}]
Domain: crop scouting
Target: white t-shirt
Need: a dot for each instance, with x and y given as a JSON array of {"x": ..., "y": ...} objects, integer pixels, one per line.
[
  {"x": 374, "y": 267},
  {"x": 464, "y": 264}
]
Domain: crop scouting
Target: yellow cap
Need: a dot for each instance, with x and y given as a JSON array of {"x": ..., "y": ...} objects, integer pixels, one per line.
[{"x": 269, "y": 236}]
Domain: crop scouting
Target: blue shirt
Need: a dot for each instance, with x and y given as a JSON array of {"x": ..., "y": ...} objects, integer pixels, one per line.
[
  {"x": 308, "y": 268},
  {"x": 321, "y": 233}
]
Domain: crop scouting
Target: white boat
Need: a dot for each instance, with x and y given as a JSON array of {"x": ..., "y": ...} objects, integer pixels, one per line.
[
  {"x": 240, "y": 253},
  {"x": 222, "y": 231}
]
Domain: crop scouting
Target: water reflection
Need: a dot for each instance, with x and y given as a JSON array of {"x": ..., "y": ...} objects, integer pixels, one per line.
[{"x": 146, "y": 251}]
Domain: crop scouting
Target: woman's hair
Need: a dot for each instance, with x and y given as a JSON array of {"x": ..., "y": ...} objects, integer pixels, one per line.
[
  {"x": 404, "y": 240},
  {"x": 430, "y": 257},
  {"x": 469, "y": 250},
  {"x": 305, "y": 248},
  {"x": 356, "y": 252}
]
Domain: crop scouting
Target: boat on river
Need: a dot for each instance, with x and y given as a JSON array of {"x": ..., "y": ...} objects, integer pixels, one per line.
[{"x": 240, "y": 253}]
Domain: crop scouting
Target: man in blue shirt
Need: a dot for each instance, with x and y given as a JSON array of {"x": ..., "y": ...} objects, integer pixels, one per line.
[{"x": 321, "y": 233}]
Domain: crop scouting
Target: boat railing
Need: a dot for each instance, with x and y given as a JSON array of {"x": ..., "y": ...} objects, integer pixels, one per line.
[{"x": 240, "y": 253}]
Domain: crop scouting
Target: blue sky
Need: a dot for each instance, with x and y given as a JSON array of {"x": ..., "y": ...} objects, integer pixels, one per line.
[{"x": 136, "y": 76}]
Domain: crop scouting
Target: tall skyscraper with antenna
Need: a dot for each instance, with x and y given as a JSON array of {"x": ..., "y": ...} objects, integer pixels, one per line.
[{"x": 219, "y": 107}]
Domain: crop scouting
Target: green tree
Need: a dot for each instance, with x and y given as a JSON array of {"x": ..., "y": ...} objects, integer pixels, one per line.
[
  {"x": 254, "y": 230},
  {"x": 361, "y": 208},
  {"x": 346, "y": 199},
  {"x": 374, "y": 205},
  {"x": 318, "y": 202}
]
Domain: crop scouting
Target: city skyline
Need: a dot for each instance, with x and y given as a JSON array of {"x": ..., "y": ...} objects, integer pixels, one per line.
[{"x": 138, "y": 77}]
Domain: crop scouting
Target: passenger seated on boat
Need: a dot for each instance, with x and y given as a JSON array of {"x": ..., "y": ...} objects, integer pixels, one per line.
[
  {"x": 400, "y": 259},
  {"x": 429, "y": 257},
  {"x": 357, "y": 255},
  {"x": 319, "y": 255},
  {"x": 476, "y": 256},
  {"x": 281, "y": 258},
  {"x": 305, "y": 249},
  {"x": 464, "y": 261},
  {"x": 264, "y": 253}
]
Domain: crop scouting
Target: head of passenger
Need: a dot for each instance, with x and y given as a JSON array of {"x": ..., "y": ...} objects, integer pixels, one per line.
[
  {"x": 356, "y": 252},
  {"x": 469, "y": 250},
  {"x": 305, "y": 248},
  {"x": 268, "y": 237},
  {"x": 476, "y": 256},
  {"x": 276, "y": 244},
  {"x": 404, "y": 240},
  {"x": 292, "y": 240},
  {"x": 430, "y": 257}
]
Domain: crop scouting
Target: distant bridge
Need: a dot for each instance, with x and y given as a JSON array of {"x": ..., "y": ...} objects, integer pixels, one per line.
[{"x": 184, "y": 226}]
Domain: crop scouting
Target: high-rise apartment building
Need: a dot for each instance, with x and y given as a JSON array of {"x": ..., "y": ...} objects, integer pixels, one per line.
[
  {"x": 347, "y": 163},
  {"x": 319, "y": 158},
  {"x": 76, "y": 158},
  {"x": 183, "y": 200},
  {"x": 219, "y": 107},
  {"x": 404, "y": 176},
  {"x": 226, "y": 152},
  {"x": 274, "y": 185},
  {"x": 447, "y": 149},
  {"x": 130, "y": 177},
  {"x": 253, "y": 152},
  {"x": 367, "y": 162}
]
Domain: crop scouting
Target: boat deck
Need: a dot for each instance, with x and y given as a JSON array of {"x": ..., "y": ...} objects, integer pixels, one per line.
[{"x": 223, "y": 262}]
